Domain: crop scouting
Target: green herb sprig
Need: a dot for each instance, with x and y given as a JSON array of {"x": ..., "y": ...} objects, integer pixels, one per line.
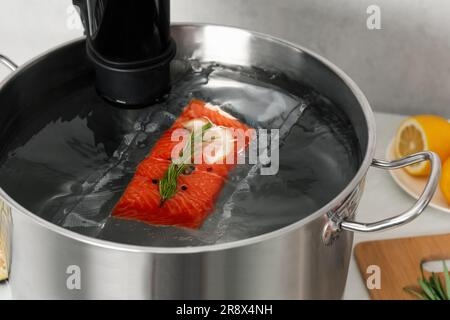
[
  {"x": 168, "y": 184},
  {"x": 432, "y": 288}
]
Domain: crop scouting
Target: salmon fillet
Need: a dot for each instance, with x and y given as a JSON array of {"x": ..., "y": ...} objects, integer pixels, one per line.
[{"x": 197, "y": 189}]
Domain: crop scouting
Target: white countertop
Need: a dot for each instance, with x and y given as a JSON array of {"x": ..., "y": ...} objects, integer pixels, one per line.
[{"x": 382, "y": 198}]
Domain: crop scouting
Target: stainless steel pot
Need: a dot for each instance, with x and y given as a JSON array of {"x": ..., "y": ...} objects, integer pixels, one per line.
[{"x": 308, "y": 259}]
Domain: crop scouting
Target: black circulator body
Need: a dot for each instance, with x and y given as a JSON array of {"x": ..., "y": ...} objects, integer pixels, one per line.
[{"x": 129, "y": 45}]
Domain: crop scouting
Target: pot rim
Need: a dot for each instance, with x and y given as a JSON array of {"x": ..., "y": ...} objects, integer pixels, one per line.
[{"x": 359, "y": 176}]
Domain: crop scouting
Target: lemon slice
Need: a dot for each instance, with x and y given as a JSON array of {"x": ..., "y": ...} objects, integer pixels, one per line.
[
  {"x": 411, "y": 139},
  {"x": 420, "y": 133},
  {"x": 219, "y": 144}
]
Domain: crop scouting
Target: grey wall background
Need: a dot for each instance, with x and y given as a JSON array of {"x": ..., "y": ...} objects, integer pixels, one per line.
[{"x": 402, "y": 68}]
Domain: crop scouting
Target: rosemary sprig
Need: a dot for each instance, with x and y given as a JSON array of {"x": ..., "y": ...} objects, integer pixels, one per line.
[
  {"x": 168, "y": 184},
  {"x": 432, "y": 288}
]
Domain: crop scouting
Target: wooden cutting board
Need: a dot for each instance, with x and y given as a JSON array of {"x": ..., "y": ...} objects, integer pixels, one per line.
[{"x": 399, "y": 262}]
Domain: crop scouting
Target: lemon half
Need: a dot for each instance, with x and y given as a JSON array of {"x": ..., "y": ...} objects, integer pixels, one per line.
[{"x": 420, "y": 133}]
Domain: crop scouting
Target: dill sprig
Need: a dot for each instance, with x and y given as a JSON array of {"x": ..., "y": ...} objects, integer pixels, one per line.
[{"x": 168, "y": 184}]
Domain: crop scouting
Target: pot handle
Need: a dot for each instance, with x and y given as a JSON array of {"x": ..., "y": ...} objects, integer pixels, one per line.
[
  {"x": 8, "y": 63},
  {"x": 419, "y": 206}
]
